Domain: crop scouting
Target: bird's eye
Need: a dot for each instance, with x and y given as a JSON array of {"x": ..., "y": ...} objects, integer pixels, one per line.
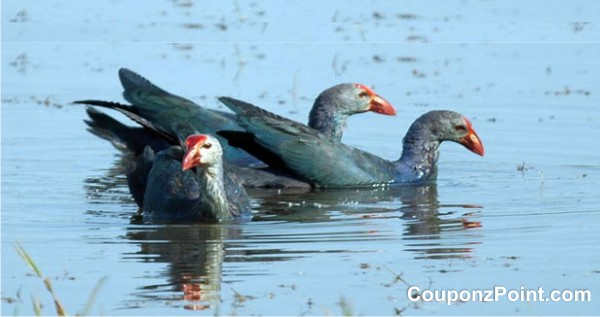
[
  {"x": 206, "y": 145},
  {"x": 363, "y": 94},
  {"x": 460, "y": 128}
]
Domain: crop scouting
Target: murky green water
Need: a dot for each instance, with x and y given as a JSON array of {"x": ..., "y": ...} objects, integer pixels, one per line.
[{"x": 525, "y": 215}]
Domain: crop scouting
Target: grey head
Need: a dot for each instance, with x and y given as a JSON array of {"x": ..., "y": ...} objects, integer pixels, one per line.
[
  {"x": 437, "y": 126},
  {"x": 335, "y": 104}
]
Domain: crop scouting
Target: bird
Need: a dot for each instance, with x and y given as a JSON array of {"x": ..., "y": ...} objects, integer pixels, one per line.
[
  {"x": 167, "y": 119},
  {"x": 310, "y": 156},
  {"x": 167, "y": 111},
  {"x": 127, "y": 139},
  {"x": 188, "y": 183}
]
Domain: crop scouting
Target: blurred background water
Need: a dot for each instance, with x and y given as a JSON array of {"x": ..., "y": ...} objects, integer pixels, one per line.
[{"x": 527, "y": 214}]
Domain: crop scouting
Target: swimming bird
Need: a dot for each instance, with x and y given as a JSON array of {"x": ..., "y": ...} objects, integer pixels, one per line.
[
  {"x": 189, "y": 184},
  {"x": 311, "y": 156},
  {"x": 167, "y": 119}
]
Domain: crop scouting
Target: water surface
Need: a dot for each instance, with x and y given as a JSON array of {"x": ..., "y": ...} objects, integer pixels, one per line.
[{"x": 527, "y": 214}]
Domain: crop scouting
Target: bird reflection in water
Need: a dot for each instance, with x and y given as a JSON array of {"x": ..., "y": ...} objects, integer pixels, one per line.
[
  {"x": 426, "y": 220},
  {"x": 195, "y": 253}
]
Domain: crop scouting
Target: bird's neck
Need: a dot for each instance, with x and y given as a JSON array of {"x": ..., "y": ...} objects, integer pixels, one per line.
[
  {"x": 325, "y": 120},
  {"x": 214, "y": 191},
  {"x": 419, "y": 156}
]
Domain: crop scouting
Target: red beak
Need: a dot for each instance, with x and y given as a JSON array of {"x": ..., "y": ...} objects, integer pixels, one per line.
[
  {"x": 192, "y": 156},
  {"x": 190, "y": 159},
  {"x": 380, "y": 105},
  {"x": 472, "y": 142},
  {"x": 377, "y": 103}
]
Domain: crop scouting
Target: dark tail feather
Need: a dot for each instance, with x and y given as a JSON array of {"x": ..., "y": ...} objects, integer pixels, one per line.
[
  {"x": 124, "y": 138},
  {"x": 131, "y": 80},
  {"x": 107, "y": 104},
  {"x": 106, "y": 127},
  {"x": 130, "y": 113}
]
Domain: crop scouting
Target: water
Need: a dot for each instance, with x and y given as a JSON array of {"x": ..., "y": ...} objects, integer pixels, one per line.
[{"x": 527, "y": 214}]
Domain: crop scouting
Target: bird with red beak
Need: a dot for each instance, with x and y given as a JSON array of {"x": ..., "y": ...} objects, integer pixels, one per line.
[
  {"x": 202, "y": 150},
  {"x": 327, "y": 163},
  {"x": 190, "y": 185},
  {"x": 335, "y": 105}
]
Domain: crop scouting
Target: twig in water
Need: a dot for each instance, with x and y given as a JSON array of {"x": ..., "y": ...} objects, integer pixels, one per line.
[{"x": 60, "y": 310}]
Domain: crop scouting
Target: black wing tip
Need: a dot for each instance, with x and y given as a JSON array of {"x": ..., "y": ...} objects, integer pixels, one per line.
[
  {"x": 233, "y": 100},
  {"x": 127, "y": 74},
  {"x": 106, "y": 104},
  {"x": 230, "y": 102},
  {"x": 238, "y": 106},
  {"x": 86, "y": 102},
  {"x": 125, "y": 71},
  {"x": 131, "y": 80},
  {"x": 224, "y": 98}
]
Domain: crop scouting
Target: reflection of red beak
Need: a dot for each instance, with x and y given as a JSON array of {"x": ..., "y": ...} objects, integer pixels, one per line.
[
  {"x": 472, "y": 142},
  {"x": 377, "y": 103},
  {"x": 192, "y": 156}
]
